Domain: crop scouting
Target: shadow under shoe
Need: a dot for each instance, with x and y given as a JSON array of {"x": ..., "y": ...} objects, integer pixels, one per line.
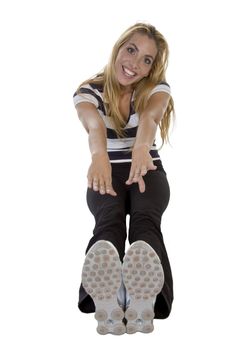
[
  {"x": 101, "y": 278},
  {"x": 143, "y": 278}
]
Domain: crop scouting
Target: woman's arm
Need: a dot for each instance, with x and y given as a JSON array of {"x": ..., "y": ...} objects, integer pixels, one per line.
[
  {"x": 99, "y": 173},
  {"x": 149, "y": 120}
]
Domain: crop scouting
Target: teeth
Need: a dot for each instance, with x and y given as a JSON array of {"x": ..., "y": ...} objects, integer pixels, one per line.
[{"x": 129, "y": 72}]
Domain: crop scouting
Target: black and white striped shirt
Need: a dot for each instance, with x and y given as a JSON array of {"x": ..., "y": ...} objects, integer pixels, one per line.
[{"x": 118, "y": 148}]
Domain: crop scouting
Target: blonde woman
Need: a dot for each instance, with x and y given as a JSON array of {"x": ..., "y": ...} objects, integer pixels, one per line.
[{"x": 122, "y": 108}]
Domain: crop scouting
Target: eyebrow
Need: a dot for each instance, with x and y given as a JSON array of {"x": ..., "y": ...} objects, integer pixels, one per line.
[{"x": 136, "y": 48}]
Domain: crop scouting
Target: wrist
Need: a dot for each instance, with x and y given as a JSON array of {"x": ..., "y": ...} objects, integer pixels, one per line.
[
  {"x": 99, "y": 154},
  {"x": 143, "y": 147}
]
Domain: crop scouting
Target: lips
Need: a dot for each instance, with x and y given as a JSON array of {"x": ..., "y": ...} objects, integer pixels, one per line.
[{"x": 128, "y": 73}]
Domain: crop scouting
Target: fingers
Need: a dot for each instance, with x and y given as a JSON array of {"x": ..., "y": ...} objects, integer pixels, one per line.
[
  {"x": 141, "y": 185},
  {"x": 136, "y": 173},
  {"x": 140, "y": 181},
  {"x": 101, "y": 185},
  {"x": 109, "y": 188}
]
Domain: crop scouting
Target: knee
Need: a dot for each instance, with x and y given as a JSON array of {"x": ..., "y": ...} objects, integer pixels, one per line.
[{"x": 146, "y": 217}]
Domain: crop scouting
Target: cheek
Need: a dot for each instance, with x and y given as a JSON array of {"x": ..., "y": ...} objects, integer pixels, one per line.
[
  {"x": 120, "y": 57},
  {"x": 146, "y": 71},
  {"x": 118, "y": 60}
]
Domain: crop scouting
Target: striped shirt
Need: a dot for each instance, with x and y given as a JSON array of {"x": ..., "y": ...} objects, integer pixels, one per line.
[{"x": 119, "y": 149}]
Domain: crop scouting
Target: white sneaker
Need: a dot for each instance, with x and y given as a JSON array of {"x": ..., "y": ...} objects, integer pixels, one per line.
[
  {"x": 143, "y": 278},
  {"x": 101, "y": 278}
]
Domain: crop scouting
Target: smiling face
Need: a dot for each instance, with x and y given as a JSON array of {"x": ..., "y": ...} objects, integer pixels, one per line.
[{"x": 135, "y": 59}]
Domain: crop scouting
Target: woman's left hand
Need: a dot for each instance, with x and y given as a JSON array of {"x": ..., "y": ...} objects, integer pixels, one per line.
[{"x": 142, "y": 162}]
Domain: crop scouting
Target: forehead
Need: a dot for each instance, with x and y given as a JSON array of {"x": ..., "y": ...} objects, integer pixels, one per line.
[{"x": 145, "y": 44}]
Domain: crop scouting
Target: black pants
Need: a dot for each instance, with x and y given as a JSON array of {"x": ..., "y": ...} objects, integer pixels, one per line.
[{"x": 145, "y": 210}]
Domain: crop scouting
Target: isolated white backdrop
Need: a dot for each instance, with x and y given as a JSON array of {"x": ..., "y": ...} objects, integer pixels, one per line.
[{"x": 47, "y": 49}]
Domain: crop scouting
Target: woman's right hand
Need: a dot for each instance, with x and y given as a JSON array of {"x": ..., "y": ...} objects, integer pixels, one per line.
[{"x": 100, "y": 174}]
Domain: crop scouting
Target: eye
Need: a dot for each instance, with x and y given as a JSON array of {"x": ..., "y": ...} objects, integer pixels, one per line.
[
  {"x": 130, "y": 50},
  {"x": 148, "y": 61}
]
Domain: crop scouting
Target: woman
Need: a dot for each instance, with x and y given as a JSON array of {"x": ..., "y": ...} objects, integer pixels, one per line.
[{"x": 121, "y": 109}]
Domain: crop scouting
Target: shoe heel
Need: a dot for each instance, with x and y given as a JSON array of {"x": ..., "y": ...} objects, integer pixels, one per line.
[
  {"x": 139, "y": 317},
  {"x": 110, "y": 321}
]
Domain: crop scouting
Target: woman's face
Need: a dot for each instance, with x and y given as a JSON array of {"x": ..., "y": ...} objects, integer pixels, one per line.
[{"x": 135, "y": 59}]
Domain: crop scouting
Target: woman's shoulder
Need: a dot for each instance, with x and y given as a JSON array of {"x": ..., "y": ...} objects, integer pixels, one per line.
[
  {"x": 90, "y": 86},
  {"x": 97, "y": 86},
  {"x": 161, "y": 86},
  {"x": 163, "y": 82},
  {"x": 89, "y": 92}
]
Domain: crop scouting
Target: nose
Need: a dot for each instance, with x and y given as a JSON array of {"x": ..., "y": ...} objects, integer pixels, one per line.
[{"x": 135, "y": 62}]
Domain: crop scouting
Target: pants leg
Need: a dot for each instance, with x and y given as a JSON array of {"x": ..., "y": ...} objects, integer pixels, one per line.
[
  {"x": 110, "y": 224},
  {"x": 146, "y": 211}
]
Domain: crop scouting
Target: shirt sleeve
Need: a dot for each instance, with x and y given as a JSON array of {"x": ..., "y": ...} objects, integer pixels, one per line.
[
  {"x": 86, "y": 94},
  {"x": 161, "y": 87}
]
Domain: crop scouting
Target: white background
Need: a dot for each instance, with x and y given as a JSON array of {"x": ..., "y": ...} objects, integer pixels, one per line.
[{"x": 47, "y": 49}]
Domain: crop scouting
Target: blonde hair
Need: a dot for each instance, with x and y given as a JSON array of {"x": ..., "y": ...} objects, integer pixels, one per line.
[{"x": 112, "y": 87}]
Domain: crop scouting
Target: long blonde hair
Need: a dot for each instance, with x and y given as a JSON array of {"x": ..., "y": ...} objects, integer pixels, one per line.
[{"x": 112, "y": 89}]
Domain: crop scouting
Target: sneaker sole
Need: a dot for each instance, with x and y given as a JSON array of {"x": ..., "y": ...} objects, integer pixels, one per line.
[
  {"x": 143, "y": 277},
  {"x": 101, "y": 278}
]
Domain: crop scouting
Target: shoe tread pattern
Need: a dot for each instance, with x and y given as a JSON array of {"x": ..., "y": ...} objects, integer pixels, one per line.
[
  {"x": 143, "y": 277},
  {"x": 101, "y": 278}
]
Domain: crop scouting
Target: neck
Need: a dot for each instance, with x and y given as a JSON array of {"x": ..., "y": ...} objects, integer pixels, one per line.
[{"x": 126, "y": 90}]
